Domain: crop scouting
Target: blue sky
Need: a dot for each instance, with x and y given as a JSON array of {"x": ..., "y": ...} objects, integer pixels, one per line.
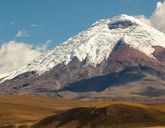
[{"x": 57, "y": 20}]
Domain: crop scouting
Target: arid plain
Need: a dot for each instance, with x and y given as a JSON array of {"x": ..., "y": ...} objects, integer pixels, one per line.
[{"x": 42, "y": 112}]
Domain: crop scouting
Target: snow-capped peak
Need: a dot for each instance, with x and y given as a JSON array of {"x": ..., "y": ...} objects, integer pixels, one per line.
[
  {"x": 120, "y": 18},
  {"x": 96, "y": 43}
]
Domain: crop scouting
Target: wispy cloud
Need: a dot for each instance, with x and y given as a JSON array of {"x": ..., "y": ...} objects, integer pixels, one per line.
[
  {"x": 37, "y": 25},
  {"x": 157, "y": 19},
  {"x": 130, "y": 1},
  {"x": 22, "y": 33},
  {"x": 44, "y": 46},
  {"x": 12, "y": 23}
]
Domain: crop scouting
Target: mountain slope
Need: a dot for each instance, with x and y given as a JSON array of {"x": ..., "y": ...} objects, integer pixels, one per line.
[
  {"x": 118, "y": 47},
  {"x": 97, "y": 42}
]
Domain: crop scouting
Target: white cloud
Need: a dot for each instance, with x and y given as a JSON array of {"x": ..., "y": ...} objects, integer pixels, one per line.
[
  {"x": 22, "y": 33},
  {"x": 16, "y": 54},
  {"x": 157, "y": 19}
]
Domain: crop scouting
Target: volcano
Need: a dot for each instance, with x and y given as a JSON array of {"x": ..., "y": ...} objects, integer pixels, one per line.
[{"x": 117, "y": 58}]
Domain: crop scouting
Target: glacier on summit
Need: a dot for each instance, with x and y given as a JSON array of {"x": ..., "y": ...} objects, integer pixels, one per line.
[{"x": 96, "y": 43}]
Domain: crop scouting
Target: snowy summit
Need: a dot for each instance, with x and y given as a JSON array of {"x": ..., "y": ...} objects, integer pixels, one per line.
[{"x": 96, "y": 43}]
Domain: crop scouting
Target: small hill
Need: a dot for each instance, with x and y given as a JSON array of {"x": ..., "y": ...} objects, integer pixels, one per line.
[
  {"x": 44, "y": 112},
  {"x": 115, "y": 115}
]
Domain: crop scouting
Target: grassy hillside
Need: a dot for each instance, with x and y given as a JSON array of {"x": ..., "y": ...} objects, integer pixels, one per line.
[
  {"x": 26, "y": 111},
  {"x": 115, "y": 115}
]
